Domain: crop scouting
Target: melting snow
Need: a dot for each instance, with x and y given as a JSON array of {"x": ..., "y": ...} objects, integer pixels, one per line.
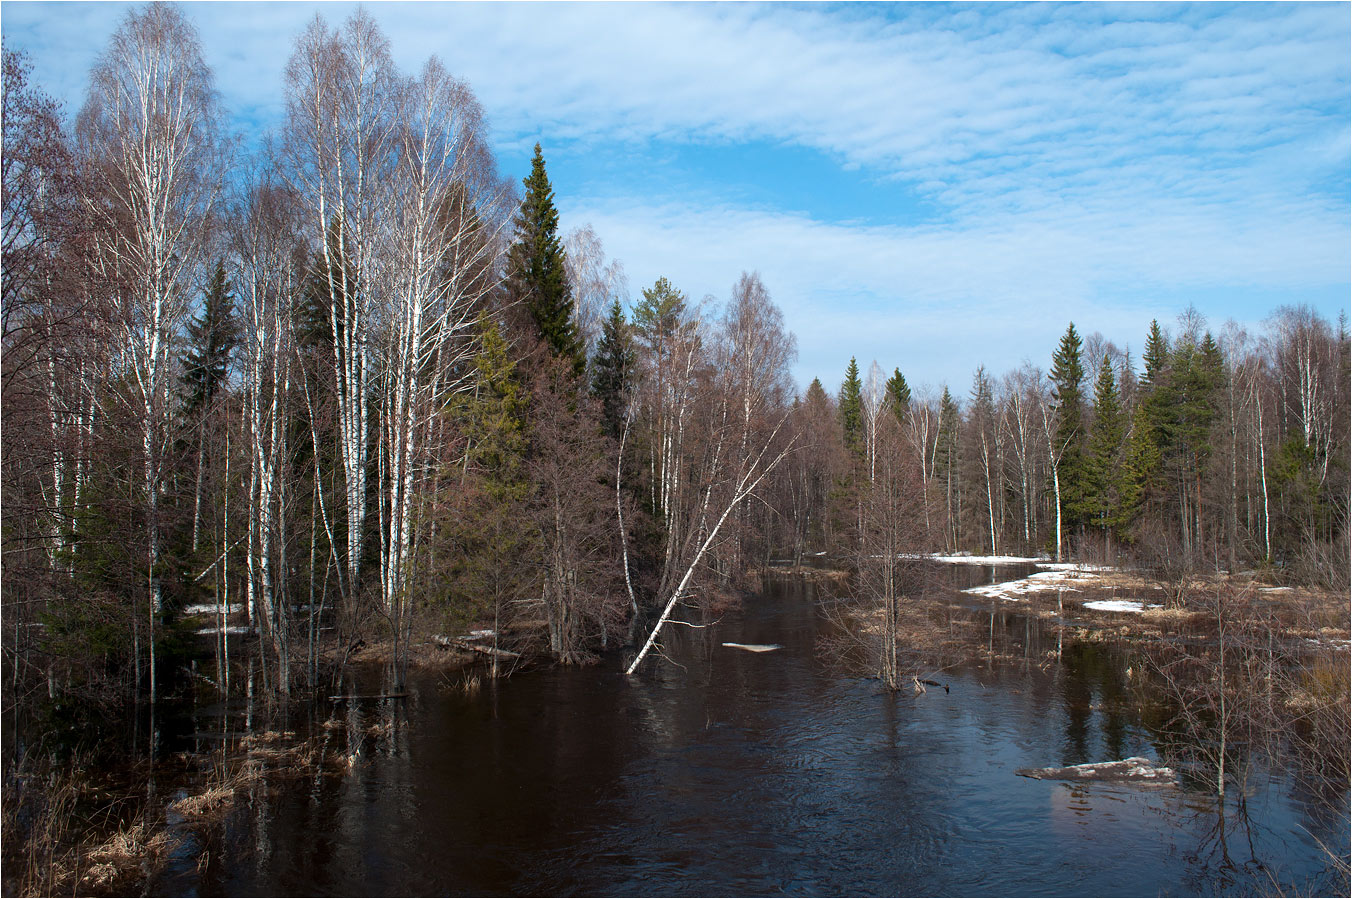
[
  {"x": 755, "y": 647},
  {"x": 961, "y": 559},
  {"x": 212, "y": 609},
  {"x": 1059, "y": 578},
  {"x": 1119, "y": 605}
]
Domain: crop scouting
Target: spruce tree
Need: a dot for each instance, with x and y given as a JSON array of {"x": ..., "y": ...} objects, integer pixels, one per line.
[
  {"x": 212, "y": 336},
  {"x": 816, "y": 397},
  {"x": 946, "y": 463},
  {"x": 493, "y": 417},
  {"x": 1140, "y": 461},
  {"x": 1105, "y": 452},
  {"x": 852, "y": 409},
  {"x": 323, "y": 287},
  {"x": 1067, "y": 377},
  {"x": 898, "y": 395},
  {"x": 1156, "y": 356},
  {"x": 536, "y": 270},
  {"x": 1157, "y": 400},
  {"x": 612, "y": 369}
]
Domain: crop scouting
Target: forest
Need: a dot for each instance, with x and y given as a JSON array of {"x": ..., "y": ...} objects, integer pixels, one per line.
[
  {"x": 352, "y": 388},
  {"x": 276, "y": 406}
]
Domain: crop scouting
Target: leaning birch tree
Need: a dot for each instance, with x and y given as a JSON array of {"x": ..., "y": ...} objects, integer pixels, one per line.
[{"x": 743, "y": 414}]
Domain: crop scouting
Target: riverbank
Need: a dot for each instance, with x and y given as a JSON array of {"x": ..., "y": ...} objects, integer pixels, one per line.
[
  {"x": 1134, "y": 604},
  {"x": 569, "y": 779}
]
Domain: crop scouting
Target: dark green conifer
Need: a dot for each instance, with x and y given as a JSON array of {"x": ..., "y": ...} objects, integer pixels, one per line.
[
  {"x": 492, "y": 417},
  {"x": 1067, "y": 378},
  {"x": 852, "y": 409},
  {"x": 1156, "y": 355},
  {"x": 658, "y": 315},
  {"x": 1140, "y": 461},
  {"x": 612, "y": 369},
  {"x": 1105, "y": 452},
  {"x": 212, "y": 336},
  {"x": 898, "y": 395},
  {"x": 946, "y": 468},
  {"x": 536, "y": 269}
]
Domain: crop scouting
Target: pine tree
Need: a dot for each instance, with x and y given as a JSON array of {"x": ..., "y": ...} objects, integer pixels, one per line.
[
  {"x": 898, "y": 395},
  {"x": 852, "y": 409},
  {"x": 536, "y": 270},
  {"x": 659, "y": 314},
  {"x": 1067, "y": 377},
  {"x": 212, "y": 337},
  {"x": 613, "y": 369}
]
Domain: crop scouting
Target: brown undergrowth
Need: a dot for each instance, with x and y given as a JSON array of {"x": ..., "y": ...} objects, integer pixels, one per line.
[{"x": 70, "y": 830}]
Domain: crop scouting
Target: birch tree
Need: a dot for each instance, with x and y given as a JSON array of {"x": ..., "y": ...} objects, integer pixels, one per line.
[
  {"x": 269, "y": 282},
  {"x": 339, "y": 153},
  {"x": 437, "y": 247},
  {"x": 874, "y": 391},
  {"x": 150, "y": 139},
  {"x": 892, "y": 526},
  {"x": 596, "y": 283},
  {"x": 1024, "y": 400},
  {"x": 742, "y": 417}
]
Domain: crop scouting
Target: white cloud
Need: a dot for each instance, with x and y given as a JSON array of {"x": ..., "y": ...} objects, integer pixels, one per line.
[
  {"x": 941, "y": 300},
  {"x": 1074, "y": 156}
]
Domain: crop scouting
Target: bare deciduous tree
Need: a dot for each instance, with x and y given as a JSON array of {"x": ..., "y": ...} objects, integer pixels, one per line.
[
  {"x": 596, "y": 283},
  {"x": 150, "y": 141}
]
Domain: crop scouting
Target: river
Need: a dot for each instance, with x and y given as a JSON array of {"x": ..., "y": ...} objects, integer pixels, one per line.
[{"x": 726, "y": 772}]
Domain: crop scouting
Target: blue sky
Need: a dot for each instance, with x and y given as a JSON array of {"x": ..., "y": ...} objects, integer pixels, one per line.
[{"x": 933, "y": 186}]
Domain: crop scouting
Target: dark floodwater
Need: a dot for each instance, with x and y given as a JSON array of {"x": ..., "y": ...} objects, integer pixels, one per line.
[{"x": 734, "y": 773}]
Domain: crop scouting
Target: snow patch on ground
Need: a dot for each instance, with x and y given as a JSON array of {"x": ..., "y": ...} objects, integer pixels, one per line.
[
  {"x": 1062, "y": 576},
  {"x": 963, "y": 559},
  {"x": 213, "y": 609},
  {"x": 1334, "y": 644},
  {"x": 233, "y": 630},
  {"x": 1119, "y": 605}
]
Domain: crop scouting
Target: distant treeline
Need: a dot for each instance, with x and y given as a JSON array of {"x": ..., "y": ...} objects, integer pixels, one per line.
[
  {"x": 1214, "y": 454},
  {"x": 356, "y": 388}
]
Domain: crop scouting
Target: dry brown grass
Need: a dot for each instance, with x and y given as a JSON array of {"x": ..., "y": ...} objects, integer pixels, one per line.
[
  {"x": 212, "y": 800},
  {"x": 816, "y": 575}
]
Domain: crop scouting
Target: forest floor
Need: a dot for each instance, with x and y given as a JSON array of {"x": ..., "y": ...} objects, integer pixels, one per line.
[
  {"x": 424, "y": 654},
  {"x": 1132, "y": 604},
  {"x": 1098, "y": 602}
]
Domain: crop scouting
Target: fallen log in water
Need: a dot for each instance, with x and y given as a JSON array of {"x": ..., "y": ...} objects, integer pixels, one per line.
[
  {"x": 755, "y": 647},
  {"x": 1132, "y": 770},
  {"x": 469, "y": 644}
]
